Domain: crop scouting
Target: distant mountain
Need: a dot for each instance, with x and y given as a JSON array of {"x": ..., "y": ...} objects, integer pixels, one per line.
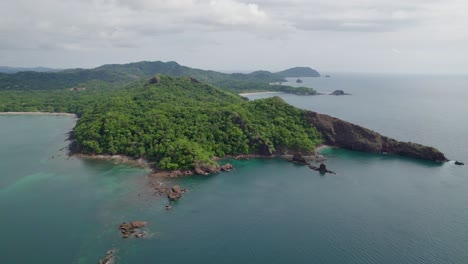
[
  {"x": 299, "y": 72},
  {"x": 117, "y": 75},
  {"x": 11, "y": 70}
]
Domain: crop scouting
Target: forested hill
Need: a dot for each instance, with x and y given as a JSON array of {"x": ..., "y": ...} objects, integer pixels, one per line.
[
  {"x": 299, "y": 72},
  {"x": 181, "y": 123},
  {"x": 118, "y": 75}
]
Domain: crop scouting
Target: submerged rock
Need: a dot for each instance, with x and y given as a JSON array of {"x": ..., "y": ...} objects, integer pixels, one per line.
[{"x": 108, "y": 259}]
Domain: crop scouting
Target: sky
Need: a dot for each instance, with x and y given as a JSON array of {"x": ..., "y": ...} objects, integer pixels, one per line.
[{"x": 386, "y": 36}]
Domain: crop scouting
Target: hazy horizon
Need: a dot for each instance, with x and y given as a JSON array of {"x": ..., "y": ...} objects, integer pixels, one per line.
[{"x": 364, "y": 36}]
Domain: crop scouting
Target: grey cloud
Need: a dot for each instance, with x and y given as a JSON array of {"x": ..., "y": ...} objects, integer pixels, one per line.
[{"x": 240, "y": 34}]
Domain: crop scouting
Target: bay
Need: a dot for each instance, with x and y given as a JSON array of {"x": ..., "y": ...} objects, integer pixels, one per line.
[{"x": 377, "y": 209}]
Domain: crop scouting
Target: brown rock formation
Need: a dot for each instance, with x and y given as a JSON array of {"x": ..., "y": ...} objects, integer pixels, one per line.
[
  {"x": 175, "y": 193},
  {"x": 131, "y": 228},
  {"x": 227, "y": 167},
  {"x": 297, "y": 158},
  {"x": 343, "y": 134}
]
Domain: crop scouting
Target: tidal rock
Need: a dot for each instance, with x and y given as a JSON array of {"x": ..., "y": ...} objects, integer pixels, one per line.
[
  {"x": 175, "y": 193},
  {"x": 227, "y": 167},
  {"x": 130, "y": 228},
  {"x": 298, "y": 81},
  {"x": 459, "y": 163},
  {"x": 297, "y": 158},
  {"x": 322, "y": 169}
]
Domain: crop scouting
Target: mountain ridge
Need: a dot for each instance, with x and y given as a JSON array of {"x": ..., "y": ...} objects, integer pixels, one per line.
[{"x": 122, "y": 74}]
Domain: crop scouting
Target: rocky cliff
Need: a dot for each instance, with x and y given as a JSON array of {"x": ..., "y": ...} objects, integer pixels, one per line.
[{"x": 343, "y": 134}]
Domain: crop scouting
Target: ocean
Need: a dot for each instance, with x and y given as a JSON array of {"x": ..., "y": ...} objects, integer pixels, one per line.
[{"x": 376, "y": 209}]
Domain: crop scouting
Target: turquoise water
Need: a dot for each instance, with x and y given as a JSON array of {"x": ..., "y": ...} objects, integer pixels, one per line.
[{"x": 377, "y": 209}]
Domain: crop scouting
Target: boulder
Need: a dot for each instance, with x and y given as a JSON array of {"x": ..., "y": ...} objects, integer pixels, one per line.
[
  {"x": 155, "y": 80},
  {"x": 322, "y": 169},
  {"x": 227, "y": 167}
]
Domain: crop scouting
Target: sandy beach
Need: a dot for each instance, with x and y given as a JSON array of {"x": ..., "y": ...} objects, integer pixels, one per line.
[
  {"x": 37, "y": 113},
  {"x": 244, "y": 94}
]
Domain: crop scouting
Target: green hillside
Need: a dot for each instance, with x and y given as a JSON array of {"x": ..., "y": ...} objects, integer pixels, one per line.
[
  {"x": 179, "y": 122},
  {"x": 114, "y": 76}
]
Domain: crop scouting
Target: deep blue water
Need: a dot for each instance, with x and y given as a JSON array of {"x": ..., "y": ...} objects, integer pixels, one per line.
[{"x": 377, "y": 209}]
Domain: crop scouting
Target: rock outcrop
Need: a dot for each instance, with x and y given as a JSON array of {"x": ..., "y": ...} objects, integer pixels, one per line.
[
  {"x": 322, "y": 169},
  {"x": 299, "y": 159},
  {"x": 175, "y": 193},
  {"x": 339, "y": 92},
  {"x": 298, "y": 81},
  {"x": 459, "y": 163},
  {"x": 343, "y": 134},
  {"x": 132, "y": 228}
]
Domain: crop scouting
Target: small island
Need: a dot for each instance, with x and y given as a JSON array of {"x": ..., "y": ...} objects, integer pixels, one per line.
[{"x": 339, "y": 92}]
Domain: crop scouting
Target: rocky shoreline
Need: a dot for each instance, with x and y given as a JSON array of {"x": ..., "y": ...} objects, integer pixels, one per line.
[
  {"x": 336, "y": 133},
  {"x": 342, "y": 134}
]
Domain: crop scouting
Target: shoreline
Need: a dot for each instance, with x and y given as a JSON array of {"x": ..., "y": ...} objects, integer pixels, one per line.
[
  {"x": 321, "y": 147},
  {"x": 254, "y": 93},
  {"x": 158, "y": 173},
  {"x": 38, "y": 113}
]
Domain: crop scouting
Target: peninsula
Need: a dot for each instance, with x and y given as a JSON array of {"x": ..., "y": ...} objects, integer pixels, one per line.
[{"x": 183, "y": 124}]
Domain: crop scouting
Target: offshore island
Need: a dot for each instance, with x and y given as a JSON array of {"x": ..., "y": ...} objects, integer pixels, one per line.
[{"x": 180, "y": 121}]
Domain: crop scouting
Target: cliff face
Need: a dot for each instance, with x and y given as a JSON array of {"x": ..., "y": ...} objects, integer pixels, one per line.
[{"x": 343, "y": 134}]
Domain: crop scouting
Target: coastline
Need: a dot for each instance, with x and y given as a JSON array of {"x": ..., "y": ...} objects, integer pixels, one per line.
[
  {"x": 321, "y": 147},
  {"x": 253, "y": 93},
  {"x": 38, "y": 113},
  {"x": 158, "y": 173}
]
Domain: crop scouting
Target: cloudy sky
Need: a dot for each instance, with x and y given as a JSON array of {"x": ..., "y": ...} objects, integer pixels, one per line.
[{"x": 411, "y": 36}]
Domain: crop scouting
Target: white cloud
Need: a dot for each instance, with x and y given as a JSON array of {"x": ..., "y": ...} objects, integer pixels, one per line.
[{"x": 253, "y": 34}]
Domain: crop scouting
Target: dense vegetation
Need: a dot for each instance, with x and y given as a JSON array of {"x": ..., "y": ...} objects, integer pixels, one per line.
[
  {"x": 119, "y": 75},
  {"x": 181, "y": 123}
]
